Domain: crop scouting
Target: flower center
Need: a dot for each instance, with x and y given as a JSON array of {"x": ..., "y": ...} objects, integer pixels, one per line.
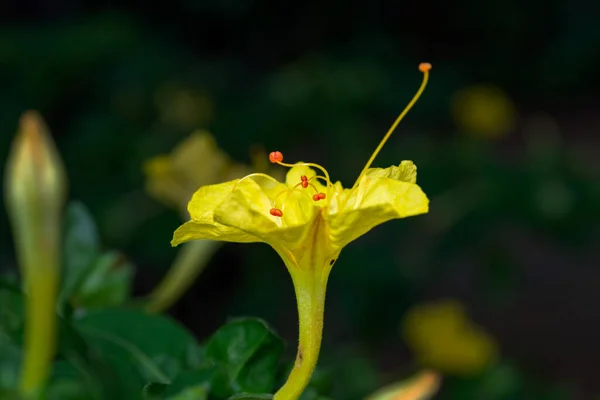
[{"x": 276, "y": 157}]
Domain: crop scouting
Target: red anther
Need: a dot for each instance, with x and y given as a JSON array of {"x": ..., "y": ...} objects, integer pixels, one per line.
[
  {"x": 316, "y": 197},
  {"x": 303, "y": 178},
  {"x": 321, "y": 195},
  {"x": 275, "y": 157},
  {"x": 276, "y": 212},
  {"x": 304, "y": 184}
]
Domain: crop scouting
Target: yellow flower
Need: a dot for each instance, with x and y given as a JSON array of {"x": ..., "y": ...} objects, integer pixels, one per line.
[
  {"x": 307, "y": 220},
  {"x": 442, "y": 337},
  {"x": 484, "y": 111},
  {"x": 195, "y": 162}
]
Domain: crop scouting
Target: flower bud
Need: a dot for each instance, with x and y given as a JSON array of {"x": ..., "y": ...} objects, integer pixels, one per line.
[{"x": 35, "y": 190}]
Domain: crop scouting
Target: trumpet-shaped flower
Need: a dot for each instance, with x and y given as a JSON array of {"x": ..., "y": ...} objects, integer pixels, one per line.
[{"x": 307, "y": 220}]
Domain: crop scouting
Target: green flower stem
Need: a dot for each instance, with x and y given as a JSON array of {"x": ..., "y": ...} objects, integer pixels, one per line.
[
  {"x": 310, "y": 290},
  {"x": 40, "y": 332},
  {"x": 189, "y": 263}
]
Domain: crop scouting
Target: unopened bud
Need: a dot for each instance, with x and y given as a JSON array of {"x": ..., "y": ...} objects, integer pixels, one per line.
[{"x": 35, "y": 188}]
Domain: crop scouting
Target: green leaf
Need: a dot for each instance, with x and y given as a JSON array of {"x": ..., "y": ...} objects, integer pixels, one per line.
[
  {"x": 192, "y": 393},
  {"x": 10, "y": 361},
  {"x": 312, "y": 394},
  {"x": 153, "y": 390},
  {"x": 195, "y": 378},
  {"x": 11, "y": 311},
  {"x": 155, "y": 346},
  {"x": 247, "y": 352},
  {"x": 251, "y": 396},
  {"x": 68, "y": 389},
  {"x": 91, "y": 279},
  {"x": 79, "y": 361},
  {"x": 81, "y": 247},
  {"x": 107, "y": 283}
]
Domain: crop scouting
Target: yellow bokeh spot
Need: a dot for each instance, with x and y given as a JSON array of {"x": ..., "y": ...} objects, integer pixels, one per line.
[
  {"x": 442, "y": 337},
  {"x": 484, "y": 110}
]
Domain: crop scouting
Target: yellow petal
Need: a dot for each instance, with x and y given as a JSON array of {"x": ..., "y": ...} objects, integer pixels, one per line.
[
  {"x": 405, "y": 172},
  {"x": 372, "y": 202},
  {"x": 203, "y": 225},
  {"x": 247, "y": 209}
]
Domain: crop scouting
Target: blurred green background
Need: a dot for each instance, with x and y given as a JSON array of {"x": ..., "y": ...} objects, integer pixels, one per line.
[{"x": 506, "y": 139}]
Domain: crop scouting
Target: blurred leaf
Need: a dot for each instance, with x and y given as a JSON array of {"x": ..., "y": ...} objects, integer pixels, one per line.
[
  {"x": 190, "y": 379},
  {"x": 82, "y": 246},
  {"x": 247, "y": 351},
  {"x": 11, "y": 311},
  {"x": 107, "y": 283},
  {"x": 68, "y": 389},
  {"x": 10, "y": 361},
  {"x": 101, "y": 377},
  {"x": 153, "y": 390},
  {"x": 355, "y": 376},
  {"x": 191, "y": 393},
  {"x": 91, "y": 279},
  {"x": 312, "y": 394},
  {"x": 9, "y": 394},
  {"x": 250, "y": 396},
  {"x": 155, "y": 346}
]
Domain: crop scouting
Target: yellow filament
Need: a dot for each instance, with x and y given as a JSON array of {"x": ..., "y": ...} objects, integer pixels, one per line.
[
  {"x": 251, "y": 175},
  {"x": 326, "y": 178},
  {"x": 309, "y": 165},
  {"x": 274, "y": 202},
  {"x": 425, "y": 71}
]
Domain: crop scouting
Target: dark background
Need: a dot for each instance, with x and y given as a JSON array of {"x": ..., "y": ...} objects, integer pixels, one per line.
[{"x": 513, "y": 229}]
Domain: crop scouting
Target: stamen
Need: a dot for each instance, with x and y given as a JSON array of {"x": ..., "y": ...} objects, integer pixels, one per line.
[
  {"x": 319, "y": 196},
  {"x": 304, "y": 182},
  {"x": 275, "y": 157},
  {"x": 424, "y": 68},
  {"x": 276, "y": 212},
  {"x": 254, "y": 174}
]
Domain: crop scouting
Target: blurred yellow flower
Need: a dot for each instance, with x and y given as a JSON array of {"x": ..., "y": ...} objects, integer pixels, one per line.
[
  {"x": 419, "y": 387},
  {"x": 196, "y": 161},
  {"x": 172, "y": 179},
  {"x": 442, "y": 337},
  {"x": 483, "y": 110}
]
